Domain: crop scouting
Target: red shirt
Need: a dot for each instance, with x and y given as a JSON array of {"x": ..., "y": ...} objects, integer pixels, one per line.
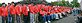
[
  {"x": 59, "y": 10},
  {"x": 0, "y": 11},
  {"x": 5, "y": 12},
  {"x": 12, "y": 9},
  {"x": 64, "y": 10},
  {"x": 42, "y": 13},
  {"x": 30, "y": 5},
  {"x": 56, "y": 11},
  {"x": 36, "y": 10},
  {"x": 46, "y": 8},
  {"x": 24, "y": 10},
  {"x": 42, "y": 6},
  {"x": 49, "y": 7},
  {"x": 39, "y": 5},
  {"x": 48, "y": 13},
  {"x": 18, "y": 9},
  {"x": 52, "y": 12},
  {"x": 32, "y": 9}
]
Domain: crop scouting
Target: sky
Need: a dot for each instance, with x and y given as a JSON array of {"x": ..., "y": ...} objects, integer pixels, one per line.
[{"x": 9, "y": 1}]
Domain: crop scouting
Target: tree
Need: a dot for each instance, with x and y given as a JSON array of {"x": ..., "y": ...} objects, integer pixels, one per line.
[
  {"x": 0, "y": 4},
  {"x": 75, "y": 3}
]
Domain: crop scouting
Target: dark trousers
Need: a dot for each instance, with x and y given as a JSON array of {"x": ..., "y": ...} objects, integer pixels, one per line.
[
  {"x": 40, "y": 18},
  {"x": 48, "y": 18},
  {"x": 4, "y": 19},
  {"x": 25, "y": 19},
  {"x": 18, "y": 19},
  {"x": 14, "y": 18}
]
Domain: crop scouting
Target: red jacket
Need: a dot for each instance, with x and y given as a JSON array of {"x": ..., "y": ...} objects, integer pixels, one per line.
[
  {"x": 25, "y": 10},
  {"x": 36, "y": 10},
  {"x": 52, "y": 12},
  {"x": 0, "y": 11},
  {"x": 48, "y": 13},
  {"x": 42, "y": 6},
  {"x": 12, "y": 9},
  {"x": 30, "y": 5},
  {"x": 49, "y": 7},
  {"x": 46, "y": 8},
  {"x": 59, "y": 10},
  {"x": 56, "y": 11},
  {"x": 18, "y": 9},
  {"x": 4, "y": 12},
  {"x": 39, "y": 5},
  {"x": 42, "y": 13},
  {"x": 32, "y": 9}
]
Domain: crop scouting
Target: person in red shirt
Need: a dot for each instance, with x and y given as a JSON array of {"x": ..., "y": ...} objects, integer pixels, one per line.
[
  {"x": 12, "y": 9},
  {"x": 47, "y": 9},
  {"x": 43, "y": 14},
  {"x": 42, "y": 6},
  {"x": 32, "y": 9},
  {"x": 39, "y": 5},
  {"x": 18, "y": 8},
  {"x": 1, "y": 14},
  {"x": 4, "y": 14},
  {"x": 48, "y": 17},
  {"x": 68, "y": 10},
  {"x": 11, "y": 14},
  {"x": 36, "y": 11},
  {"x": 25, "y": 12},
  {"x": 52, "y": 14},
  {"x": 50, "y": 7}
]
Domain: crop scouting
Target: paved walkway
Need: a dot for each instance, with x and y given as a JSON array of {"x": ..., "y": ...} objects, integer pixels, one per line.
[{"x": 69, "y": 19}]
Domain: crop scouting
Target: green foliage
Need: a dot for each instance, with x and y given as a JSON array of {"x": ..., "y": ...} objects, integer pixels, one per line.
[
  {"x": 0, "y": 4},
  {"x": 75, "y": 3},
  {"x": 61, "y": 3},
  {"x": 63, "y": 0}
]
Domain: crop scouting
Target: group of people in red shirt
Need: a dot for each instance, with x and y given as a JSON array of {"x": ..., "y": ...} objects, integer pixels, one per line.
[{"x": 47, "y": 12}]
